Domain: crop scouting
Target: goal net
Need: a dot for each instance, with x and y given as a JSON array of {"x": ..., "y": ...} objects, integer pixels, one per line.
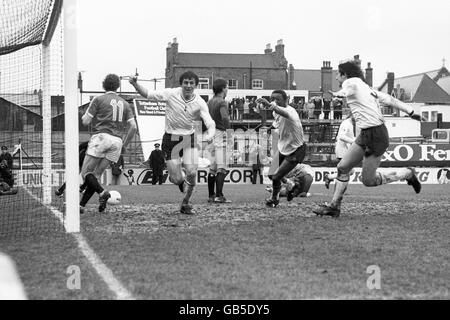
[{"x": 31, "y": 96}]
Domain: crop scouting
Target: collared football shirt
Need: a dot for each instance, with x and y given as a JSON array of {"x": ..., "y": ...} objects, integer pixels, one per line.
[
  {"x": 110, "y": 114},
  {"x": 181, "y": 115}
]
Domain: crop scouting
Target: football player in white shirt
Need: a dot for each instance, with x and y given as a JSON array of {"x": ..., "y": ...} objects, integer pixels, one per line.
[
  {"x": 371, "y": 143},
  {"x": 344, "y": 139},
  {"x": 184, "y": 113},
  {"x": 291, "y": 146}
]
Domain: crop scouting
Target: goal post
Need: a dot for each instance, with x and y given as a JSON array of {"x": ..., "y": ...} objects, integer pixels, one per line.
[
  {"x": 71, "y": 116},
  {"x": 39, "y": 108}
]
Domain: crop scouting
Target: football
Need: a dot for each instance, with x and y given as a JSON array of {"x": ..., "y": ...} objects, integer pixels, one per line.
[{"x": 115, "y": 199}]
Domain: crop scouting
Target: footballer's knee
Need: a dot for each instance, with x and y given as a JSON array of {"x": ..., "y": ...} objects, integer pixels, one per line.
[
  {"x": 369, "y": 181},
  {"x": 343, "y": 174},
  {"x": 176, "y": 178},
  {"x": 191, "y": 178}
]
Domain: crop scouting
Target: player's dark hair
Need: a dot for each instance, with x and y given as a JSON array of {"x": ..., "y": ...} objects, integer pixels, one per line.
[
  {"x": 283, "y": 94},
  {"x": 351, "y": 69},
  {"x": 111, "y": 82},
  {"x": 219, "y": 85},
  {"x": 188, "y": 75}
]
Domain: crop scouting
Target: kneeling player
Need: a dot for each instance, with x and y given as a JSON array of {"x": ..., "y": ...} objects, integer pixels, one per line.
[{"x": 298, "y": 182}]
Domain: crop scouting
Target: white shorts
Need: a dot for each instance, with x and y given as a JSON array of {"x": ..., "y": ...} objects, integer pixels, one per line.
[
  {"x": 217, "y": 150},
  {"x": 103, "y": 145}
]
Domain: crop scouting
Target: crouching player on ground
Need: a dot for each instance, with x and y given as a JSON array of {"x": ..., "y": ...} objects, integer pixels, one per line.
[
  {"x": 109, "y": 114},
  {"x": 298, "y": 182}
]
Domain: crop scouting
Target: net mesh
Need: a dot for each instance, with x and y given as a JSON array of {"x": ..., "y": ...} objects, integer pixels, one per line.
[
  {"x": 31, "y": 80},
  {"x": 23, "y": 23}
]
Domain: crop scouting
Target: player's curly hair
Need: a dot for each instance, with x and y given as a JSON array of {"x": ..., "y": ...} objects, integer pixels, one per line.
[
  {"x": 189, "y": 75},
  {"x": 111, "y": 82},
  {"x": 219, "y": 85},
  {"x": 283, "y": 94},
  {"x": 351, "y": 69}
]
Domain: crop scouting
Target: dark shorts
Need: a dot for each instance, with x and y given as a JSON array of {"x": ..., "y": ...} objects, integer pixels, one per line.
[
  {"x": 374, "y": 141},
  {"x": 296, "y": 157},
  {"x": 170, "y": 141}
]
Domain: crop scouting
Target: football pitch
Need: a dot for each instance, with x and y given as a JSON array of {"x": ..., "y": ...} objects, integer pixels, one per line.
[{"x": 389, "y": 243}]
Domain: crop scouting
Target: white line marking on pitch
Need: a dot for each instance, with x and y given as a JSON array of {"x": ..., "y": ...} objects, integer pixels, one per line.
[
  {"x": 105, "y": 273},
  {"x": 102, "y": 270}
]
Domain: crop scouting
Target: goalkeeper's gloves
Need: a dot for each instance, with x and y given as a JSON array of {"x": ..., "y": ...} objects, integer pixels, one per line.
[{"x": 416, "y": 117}]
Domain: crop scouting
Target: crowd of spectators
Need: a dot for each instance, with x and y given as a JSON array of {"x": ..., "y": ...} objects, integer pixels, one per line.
[
  {"x": 245, "y": 108},
  {"x": 319, "y": 108}
]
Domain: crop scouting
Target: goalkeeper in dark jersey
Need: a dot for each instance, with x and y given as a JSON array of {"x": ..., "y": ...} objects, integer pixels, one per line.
[{"x": 82, "y": 153}]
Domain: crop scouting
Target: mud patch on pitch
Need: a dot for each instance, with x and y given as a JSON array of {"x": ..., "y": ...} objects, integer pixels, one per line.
[{"x": 158, "y": 217}]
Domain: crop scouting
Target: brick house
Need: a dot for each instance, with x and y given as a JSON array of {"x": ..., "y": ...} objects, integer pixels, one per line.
[
  {"x": 319, "y": 81},
  {"x": 242, "y": 71},
  {"x": 426, "y": 93}
]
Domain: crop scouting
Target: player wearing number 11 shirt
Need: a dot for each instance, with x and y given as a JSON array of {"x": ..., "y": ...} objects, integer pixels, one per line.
[{"x": 109, "y": 115}]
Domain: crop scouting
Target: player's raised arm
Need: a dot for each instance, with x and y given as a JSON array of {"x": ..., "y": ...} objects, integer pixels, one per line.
[
  {"x": 132, "y": 127},
  {"x": 148, "y": 94},
  {"x": 389, "y": 100},
  {"x": 139, "y": 88}
]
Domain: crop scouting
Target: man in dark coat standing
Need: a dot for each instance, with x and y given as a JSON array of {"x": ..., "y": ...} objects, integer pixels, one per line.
[
  {"x": 6, "y": 164},
  {"x": 157, "y": 162}
]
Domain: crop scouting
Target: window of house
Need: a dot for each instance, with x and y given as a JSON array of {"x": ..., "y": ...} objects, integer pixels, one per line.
[
  {"x": 426, "y": 115},
  {"x": 433, "y": 116},
  {"x": 440, "y": 135},
  {"x": 232, "y": 84},
  {"x": 257, "y": 84},
  {"x": 203, "y": 83}
]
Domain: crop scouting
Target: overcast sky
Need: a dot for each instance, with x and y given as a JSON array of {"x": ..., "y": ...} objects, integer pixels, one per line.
[{"x": 400, "y": 36}]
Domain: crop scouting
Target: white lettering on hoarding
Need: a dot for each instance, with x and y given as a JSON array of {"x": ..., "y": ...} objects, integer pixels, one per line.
[
  {"x": 409, "y": 153},
  {"x": 429, "y": 152},
  {"x": 425, "y": 151}
]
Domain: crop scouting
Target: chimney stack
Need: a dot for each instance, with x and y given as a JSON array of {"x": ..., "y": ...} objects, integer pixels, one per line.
[
  {"x": 357, "y": 60},
  {"x": 369, "y": 74},
  {"x": 279, "y": 49},
  {"x": 390, "y": 82},
  {"x": 326, "y": 79},
  {"x": 268, "y": 49}
]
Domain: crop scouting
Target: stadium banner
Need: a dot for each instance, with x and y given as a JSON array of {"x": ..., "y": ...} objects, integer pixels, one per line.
[
  {"x": 151, "y": 121},
  {"x": 417, "y": 152},
  {"x": 142, "y": 176},
  {"x": 34, "y": 178}
]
